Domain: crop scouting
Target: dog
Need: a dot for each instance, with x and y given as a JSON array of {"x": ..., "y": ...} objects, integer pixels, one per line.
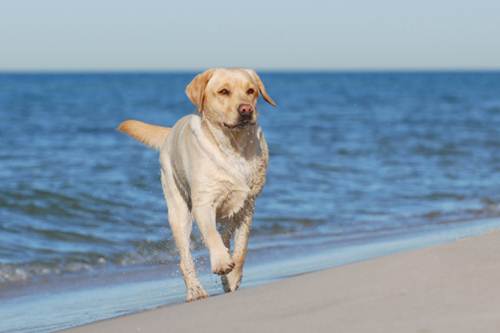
[{"x": 213, "y": 167}]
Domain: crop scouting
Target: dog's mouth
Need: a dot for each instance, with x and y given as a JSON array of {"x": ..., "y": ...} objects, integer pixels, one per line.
[{"x": 240, "y": 124}]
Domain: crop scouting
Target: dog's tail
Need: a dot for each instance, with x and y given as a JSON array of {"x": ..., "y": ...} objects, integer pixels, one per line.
[{"x": 150, "y": 135}]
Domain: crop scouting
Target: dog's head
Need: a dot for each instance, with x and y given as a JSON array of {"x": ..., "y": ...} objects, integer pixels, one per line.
[{"x": 228, "y": 97}]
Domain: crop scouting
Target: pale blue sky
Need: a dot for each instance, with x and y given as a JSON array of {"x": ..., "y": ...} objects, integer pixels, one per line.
[{"x": 263, "y": 34}]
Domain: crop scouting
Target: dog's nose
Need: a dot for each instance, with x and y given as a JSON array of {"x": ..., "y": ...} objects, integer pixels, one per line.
[{"x": 245, "y": 110}]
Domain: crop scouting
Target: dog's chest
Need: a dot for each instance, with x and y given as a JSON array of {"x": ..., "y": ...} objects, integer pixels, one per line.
[{"x": 244, "y": 182}]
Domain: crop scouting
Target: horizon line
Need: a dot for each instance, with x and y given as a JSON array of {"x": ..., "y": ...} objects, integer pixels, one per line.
[{"x": 262, "y": 70}]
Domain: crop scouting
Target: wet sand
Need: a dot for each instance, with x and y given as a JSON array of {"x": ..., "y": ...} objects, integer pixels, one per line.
[{"x": 446, "y": 288}]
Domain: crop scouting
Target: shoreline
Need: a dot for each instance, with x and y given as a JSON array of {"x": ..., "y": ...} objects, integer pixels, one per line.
[
  {"x": 73, "y": 305},
  {"x": 444, "y": 288},
  {"x": 316, "y": 244}
]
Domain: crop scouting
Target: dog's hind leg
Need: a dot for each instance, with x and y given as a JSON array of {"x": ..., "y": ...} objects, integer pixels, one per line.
[
  {"x": 227, "y": 233},
  {"x": 228, "y": 227},
  {"x": 181, "y": 222},
  {"x": 232, "y": 280}
]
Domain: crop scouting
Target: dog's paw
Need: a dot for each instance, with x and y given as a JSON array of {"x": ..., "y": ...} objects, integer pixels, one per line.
[
  {"x": 231, "y": 282},
  {"x": 196, "y": 293},
  {"x": 221, "y": 263}
]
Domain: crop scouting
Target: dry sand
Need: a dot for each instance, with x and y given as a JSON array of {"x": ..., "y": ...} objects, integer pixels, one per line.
[{"x": 447, "y": 288}]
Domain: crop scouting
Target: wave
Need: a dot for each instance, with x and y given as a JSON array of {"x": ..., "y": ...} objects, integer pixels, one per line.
[{"x": 285, "y": 233}]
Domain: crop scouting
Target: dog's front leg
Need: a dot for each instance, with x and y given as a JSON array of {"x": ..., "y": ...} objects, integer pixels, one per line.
[
  {"x": 181, "y": 221},
  {"x": 232, "y": 280},
  {"x": 220, "y": 260}
]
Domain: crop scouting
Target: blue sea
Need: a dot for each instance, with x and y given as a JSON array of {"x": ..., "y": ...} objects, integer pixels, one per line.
[{"x": 361, "y": 164}]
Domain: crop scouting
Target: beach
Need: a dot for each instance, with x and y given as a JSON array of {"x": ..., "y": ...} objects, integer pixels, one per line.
[
  {"x": 444, "y": 288},
  {"x": 372, "y": 206}
]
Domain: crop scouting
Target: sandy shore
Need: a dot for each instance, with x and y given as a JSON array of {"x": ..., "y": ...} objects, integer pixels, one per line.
[{"x": 447, "y": 288}]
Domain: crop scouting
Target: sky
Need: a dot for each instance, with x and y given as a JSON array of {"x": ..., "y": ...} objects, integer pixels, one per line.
[{"x": 263, "y": 34}]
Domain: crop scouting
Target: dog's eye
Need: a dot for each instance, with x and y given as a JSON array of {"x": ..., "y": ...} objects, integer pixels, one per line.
[
  {"x": 250, "y": 91},
  {"x": 224, "y": 92}
]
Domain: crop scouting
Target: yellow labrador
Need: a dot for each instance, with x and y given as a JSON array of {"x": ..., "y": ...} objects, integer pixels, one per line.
[{"x": 213, "y": 166}]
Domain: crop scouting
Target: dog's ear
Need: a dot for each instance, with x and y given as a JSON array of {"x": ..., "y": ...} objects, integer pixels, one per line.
[
  {"x": 195, "y": 90},
  {"x": 262, "y": 88}
]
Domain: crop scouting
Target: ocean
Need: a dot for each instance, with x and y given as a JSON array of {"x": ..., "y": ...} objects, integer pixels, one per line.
[{"x": 355, "y": 158}]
